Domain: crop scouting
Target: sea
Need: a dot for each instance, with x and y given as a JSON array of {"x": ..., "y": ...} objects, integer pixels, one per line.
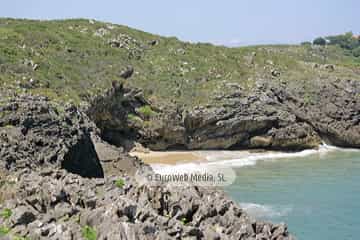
[{"x": 315, "y": 192}]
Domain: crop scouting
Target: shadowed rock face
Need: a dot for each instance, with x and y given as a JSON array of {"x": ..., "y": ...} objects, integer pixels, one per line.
[
  {"x": 111, "y": 113},
  {"x": 33, "y": 134},
  {"x": 82, "y": 159}
]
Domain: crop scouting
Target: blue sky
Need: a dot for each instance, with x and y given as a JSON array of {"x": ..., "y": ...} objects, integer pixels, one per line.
[{"x": 229, "y": 22}]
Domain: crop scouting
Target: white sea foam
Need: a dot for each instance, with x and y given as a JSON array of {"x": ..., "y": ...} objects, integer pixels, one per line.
[
  {"x": 251, "y": 159},
  {"x": 232, "y": 159},
  {"x": 330, "y": 147},
  {"x": 265, "y": 211},
  {"x": 242, "y": 158}
]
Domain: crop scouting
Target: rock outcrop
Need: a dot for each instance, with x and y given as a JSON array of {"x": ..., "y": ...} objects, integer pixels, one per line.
[
  {"x": 280, "y": 117},
  {"x": 53, "y": 204},
  {"x": 34, "y": 134}
]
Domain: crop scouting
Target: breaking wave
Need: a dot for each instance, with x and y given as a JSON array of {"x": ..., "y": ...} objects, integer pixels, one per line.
[
  {"x": 265, "y": 211},
  {"x": 230, "y": 158}
]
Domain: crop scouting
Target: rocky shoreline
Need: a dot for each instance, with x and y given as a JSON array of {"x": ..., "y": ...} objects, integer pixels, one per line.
[
  {"x": 59, "y": 176},
  {"x": 61, "y": 181}
]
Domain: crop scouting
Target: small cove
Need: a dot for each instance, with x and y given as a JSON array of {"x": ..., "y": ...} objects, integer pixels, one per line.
[{"x": 316, "y": 192}]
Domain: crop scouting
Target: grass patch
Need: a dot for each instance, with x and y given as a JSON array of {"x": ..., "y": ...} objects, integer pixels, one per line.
[
  {"x": 89, "y": 233},
  {"x": 6, "y": 213},
  {"x": 134, "y": 119},
  {"x": 120, "y": 183},
  {"x": 307, "y": 99},
  {"x": 20, "y": 238},
  {"x": 4, "y": 231}
]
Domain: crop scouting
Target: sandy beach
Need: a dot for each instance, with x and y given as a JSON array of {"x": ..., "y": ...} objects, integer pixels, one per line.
[
  {"x": 233, "y": 158},
  {"x": 179, "y": 157},
  {"x": 169, "y": 157}
]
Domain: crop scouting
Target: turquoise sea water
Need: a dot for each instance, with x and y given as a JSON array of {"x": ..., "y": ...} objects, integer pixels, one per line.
[{"x": 317, "y": 195}]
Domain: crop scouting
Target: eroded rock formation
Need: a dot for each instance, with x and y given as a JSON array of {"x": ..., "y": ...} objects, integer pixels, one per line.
[{"x": 270, "y": 116}]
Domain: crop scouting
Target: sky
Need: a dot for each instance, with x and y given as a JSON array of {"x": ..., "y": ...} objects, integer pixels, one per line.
[{"x": 226, "y": 22}]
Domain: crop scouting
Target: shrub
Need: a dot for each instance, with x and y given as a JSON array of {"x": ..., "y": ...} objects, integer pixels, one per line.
[
  {"x": 120, "y": 183},
  {"x": 346, "y": 41},
  {"x": 184, "y": 221},
  {"x": 319, "y": 41},
  {"x": 89, "y": 233},
  {"x": 356, "y": 52}
]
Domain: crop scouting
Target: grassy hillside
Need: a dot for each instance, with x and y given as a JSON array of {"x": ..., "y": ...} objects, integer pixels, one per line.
[{"x": 73, "y": 60}]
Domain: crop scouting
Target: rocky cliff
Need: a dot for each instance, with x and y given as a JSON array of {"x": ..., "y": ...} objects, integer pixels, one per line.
[{"x": 270, "y": 116}]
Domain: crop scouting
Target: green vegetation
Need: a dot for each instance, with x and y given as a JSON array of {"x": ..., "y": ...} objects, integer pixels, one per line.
[
  {"x": 349, "y": 42},
  {"x": 346, "y": 41},
  {"x": 184, "y": 220},
  {"x": 134, "y": 119},
  {"x": 4, "y": 231},
  {"x": 6, "y": 213},
  {"x": 20, "y": 238},
  {"x": 89, "y": 233},
  {"x": 356, "y": 52},
  {"x": 120, "y": 183},
  {"x": 307, "y": 99},
  {"x": 74, "y": 60},
  {"x": 146, "y": 111}
]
